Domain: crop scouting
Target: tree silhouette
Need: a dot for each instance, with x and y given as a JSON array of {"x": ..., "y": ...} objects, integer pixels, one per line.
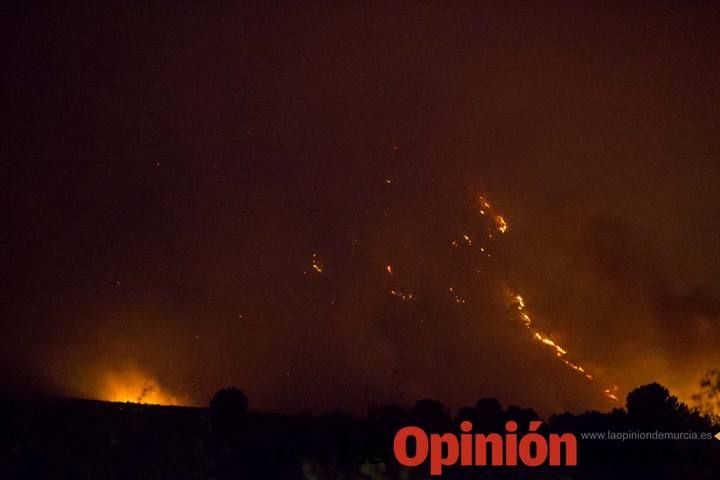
[
  {"x": 431, "y": 416},
  {"x": 523, "y": 416},
  {"x": 486, "y": 416},
  {"x": 227, "y": 411},
  {"x": 651, "y": 402}
]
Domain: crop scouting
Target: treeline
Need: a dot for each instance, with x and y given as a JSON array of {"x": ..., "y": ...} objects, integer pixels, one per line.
[{"x": 76, "y": 439}]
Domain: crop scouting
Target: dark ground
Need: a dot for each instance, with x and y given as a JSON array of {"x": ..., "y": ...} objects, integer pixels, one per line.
[{"x": 78, "y": 439}]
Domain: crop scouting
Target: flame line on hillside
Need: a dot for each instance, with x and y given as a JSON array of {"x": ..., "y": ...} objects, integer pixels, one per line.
[{"x": 518, "y": 307}]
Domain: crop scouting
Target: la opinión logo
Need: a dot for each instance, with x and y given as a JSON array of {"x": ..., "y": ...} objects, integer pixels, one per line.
[{"x": 412, "y": 447}]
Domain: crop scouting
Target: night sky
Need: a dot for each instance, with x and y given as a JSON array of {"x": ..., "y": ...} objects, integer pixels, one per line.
[{"x": 204, "y": 194}]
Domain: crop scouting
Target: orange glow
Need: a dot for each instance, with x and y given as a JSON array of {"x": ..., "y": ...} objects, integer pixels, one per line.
[{"x": 136, "y": 386}]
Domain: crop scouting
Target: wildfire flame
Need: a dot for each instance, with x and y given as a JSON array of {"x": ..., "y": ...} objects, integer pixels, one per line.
[
  {"x": 485, "y": 208},
  {"x": 515, "y": 301},
  {"x": 517, "y": 304},
  {"x": 402, "y": 296},
  {"x": 315, "y": 265},
  {"x": 458, "y": 299},
  {"x": 518, "y": 307},
  {"x": 135, "y": 386}
]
